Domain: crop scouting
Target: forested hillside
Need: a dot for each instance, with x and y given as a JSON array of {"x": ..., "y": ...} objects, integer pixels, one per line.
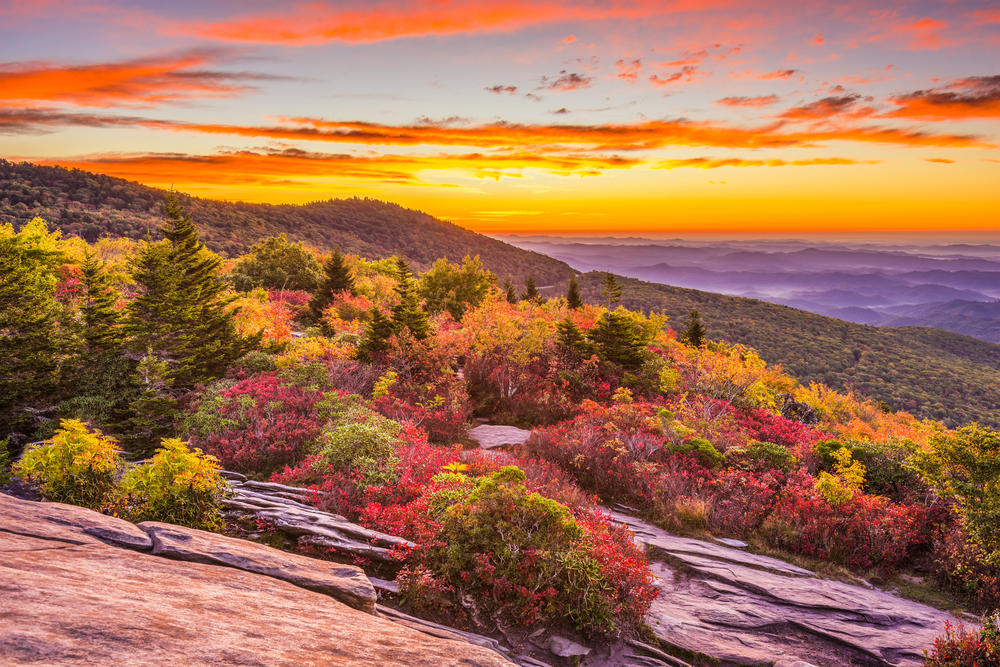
[
  {"x": 93, "y": 206},
  {"x": 930, "y": 373}
]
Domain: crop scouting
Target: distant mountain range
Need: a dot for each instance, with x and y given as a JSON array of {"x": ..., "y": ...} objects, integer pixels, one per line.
[{"x": 899, "y": 285}]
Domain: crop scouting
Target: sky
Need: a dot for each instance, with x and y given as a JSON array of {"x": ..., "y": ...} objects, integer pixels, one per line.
[{"x": 507, "y": 116}]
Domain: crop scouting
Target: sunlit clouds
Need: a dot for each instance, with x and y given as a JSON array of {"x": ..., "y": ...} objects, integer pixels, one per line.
[{"x": 462, "y": 107}]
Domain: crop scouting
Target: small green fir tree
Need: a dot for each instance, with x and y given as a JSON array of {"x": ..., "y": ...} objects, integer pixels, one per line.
[
  {"x": 408, "y": 313},
  {"x": 103, "y": 333},
  {"x": 337, "y": 278},
  {"x": 573, "y": 298},
  {"x": 694, "y": 335},
  {"x": 531, "y": 290},
  {"x": 509, "y": 292},
  {"x": 612, "y": 291}
]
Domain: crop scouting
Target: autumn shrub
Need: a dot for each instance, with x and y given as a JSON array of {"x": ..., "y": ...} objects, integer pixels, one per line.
[
  {"x": 758, "y": 456},
  {"x": 254, "y": 425},
  {"x": 442, "y": 410},
  {"x": 525, "y": 557},
  {"x": 960, "y": 566},
  {"x": 361, "y": 442},
  {"x": 889, "y": 470},
  {"x": 76, "y": 466},
  {"x": 254, "y": 363},
  {"x": 861, "y": 531},
  {"x": 177, "y": 486},
  {"x": 765, "y": 426},
  {"x": 741, "y": 500},
  {"x": 960, "y": 647}
]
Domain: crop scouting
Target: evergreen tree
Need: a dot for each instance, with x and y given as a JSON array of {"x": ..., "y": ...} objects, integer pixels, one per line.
[
  {"x": 29, "y": 341},
  {"x": 694, "y": 335},
  {"x": 337, "y": 279},
  {"x": 102, "y": 322},
  {"x": 618, "y": 340},
  {"x": 509, "y": 292},
  {"x": 612, "y": 291},
  {"x": 570, "y": 339},
  {"x": 376, "y": 338},
  {"x": 531, "y": 291},
  {"x": 180, "y": 315},
  {"x": 408, "y": 313},
  {"x": 573, "y": 298}
]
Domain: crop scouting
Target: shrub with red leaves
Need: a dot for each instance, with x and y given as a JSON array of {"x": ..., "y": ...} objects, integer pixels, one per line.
[
  {"x": 862, "y": 532},
  {"x": 741, "y": 500},
  {"x": 958, "y": 647},
  {"x": 255, "y": 425}
]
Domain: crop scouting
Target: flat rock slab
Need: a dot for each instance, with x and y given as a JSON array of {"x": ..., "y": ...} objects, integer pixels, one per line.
[
  {"x": 66, "y": 524},
  {"x": 746, "y": 609},
  {"x": 345, "y": 583},
  {"x": 489, "y": 436},
  {"x": 649, "y": 534},
  {"x": 95, "y": 604}
]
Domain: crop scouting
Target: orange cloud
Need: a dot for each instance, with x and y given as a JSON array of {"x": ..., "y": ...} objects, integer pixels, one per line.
[
  {"x": 629, "y": 69},
  {"x": 263, "y": 168},
  {"x": 919, "y": 34},
  {"x": 817, "y": 40},
  {"x": 686, "y": 74},
  {"x": 784, "y": 74},
  {"x": 645, "y": 135},
  {"x": 708, "y": 163},
  {"x": 136, "y": 83},
  {"x": 828, "y": 107},
  {"x": 316, "y": 23},
  {"x": 756, "y": 102},
  {"x": 940, "y": 160},
  {"x": 972, "y": 98}
]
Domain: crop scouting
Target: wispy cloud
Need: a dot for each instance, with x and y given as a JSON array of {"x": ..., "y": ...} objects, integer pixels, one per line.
[
  {"x": 136, "y": 83},
  {"x": 709, "y": 163},
  {"x": 971, "y": 98},
  {"x": 755, "y": 102},
  {"x": 567, "y": 81},
  {"x": 501, "y": 90}
]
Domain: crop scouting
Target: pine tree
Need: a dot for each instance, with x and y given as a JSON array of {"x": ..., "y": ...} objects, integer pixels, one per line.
[
  {"x": 408, "y": 313},
  {"x": 612, "y": 291},
  {"x": 337, "y": 278},
  {"x": 376, "y": 338},
  {"x": 102, "y": 332},
  {"x": 618, "y": 341},
  {"x": 180, "y": 314},
  {"x": 530, "y": 290},
  {"x": 573, "y": 298},
  {"x": 509, "y": 292},
  {"x": 29, "y": 347},
  {"x": 694, "y": 335},
  {"x": 570, "y": 339}
]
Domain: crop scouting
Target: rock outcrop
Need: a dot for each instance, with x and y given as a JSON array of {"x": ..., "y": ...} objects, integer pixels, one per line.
[
  {"x": 746, "y": 609},
  {"x": 490, "y": 436},
  {"x": 77, "y": 587}
]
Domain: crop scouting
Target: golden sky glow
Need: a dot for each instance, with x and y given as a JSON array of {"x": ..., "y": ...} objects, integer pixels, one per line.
[{"x": 508, "y": 116}]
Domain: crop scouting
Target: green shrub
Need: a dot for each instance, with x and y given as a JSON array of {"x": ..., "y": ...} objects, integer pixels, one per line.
[
  {"x": 256, "y": 362},
  {"x": 177, "y": 486},
  {"x": 761, "y": 456},
  {"x": 76, "y": 466},
  {"x": 965, "y": 465},
  {"x": 708, "y": 455},
  {"x": 525, "y": 557},
  {"x": 361, "y": 442}
]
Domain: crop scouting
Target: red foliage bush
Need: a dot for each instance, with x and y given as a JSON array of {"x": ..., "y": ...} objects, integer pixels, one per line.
[
  {"x": 742, "y": 500},
  {"x": 958, "y": 647},
  {"x": 862, "y": 532},
  {"x": 255, "y": 425}
]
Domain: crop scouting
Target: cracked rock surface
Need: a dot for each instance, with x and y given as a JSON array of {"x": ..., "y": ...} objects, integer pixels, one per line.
[
  {"x": 746, "y": 609},
  {"x": 75, "y": 588}
]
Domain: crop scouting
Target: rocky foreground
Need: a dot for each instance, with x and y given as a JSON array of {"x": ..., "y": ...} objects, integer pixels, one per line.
[{"x": 79, "y": 587}]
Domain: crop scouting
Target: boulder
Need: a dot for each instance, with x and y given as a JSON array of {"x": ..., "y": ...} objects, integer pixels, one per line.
[
  {"x": 66, "y": 524},
  {"x": 489, "y": 436},
  {"x": 345, "y": 583},
  {"x": 97, "y": 604}
]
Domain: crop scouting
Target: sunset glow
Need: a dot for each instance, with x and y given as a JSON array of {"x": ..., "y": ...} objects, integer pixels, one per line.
[{"x": 563, "y": 116}]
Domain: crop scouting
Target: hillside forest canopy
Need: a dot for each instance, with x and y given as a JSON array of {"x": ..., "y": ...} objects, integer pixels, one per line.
[
  {"x": 929, "y": 373},
  {"x": 360, "y": 377}
]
